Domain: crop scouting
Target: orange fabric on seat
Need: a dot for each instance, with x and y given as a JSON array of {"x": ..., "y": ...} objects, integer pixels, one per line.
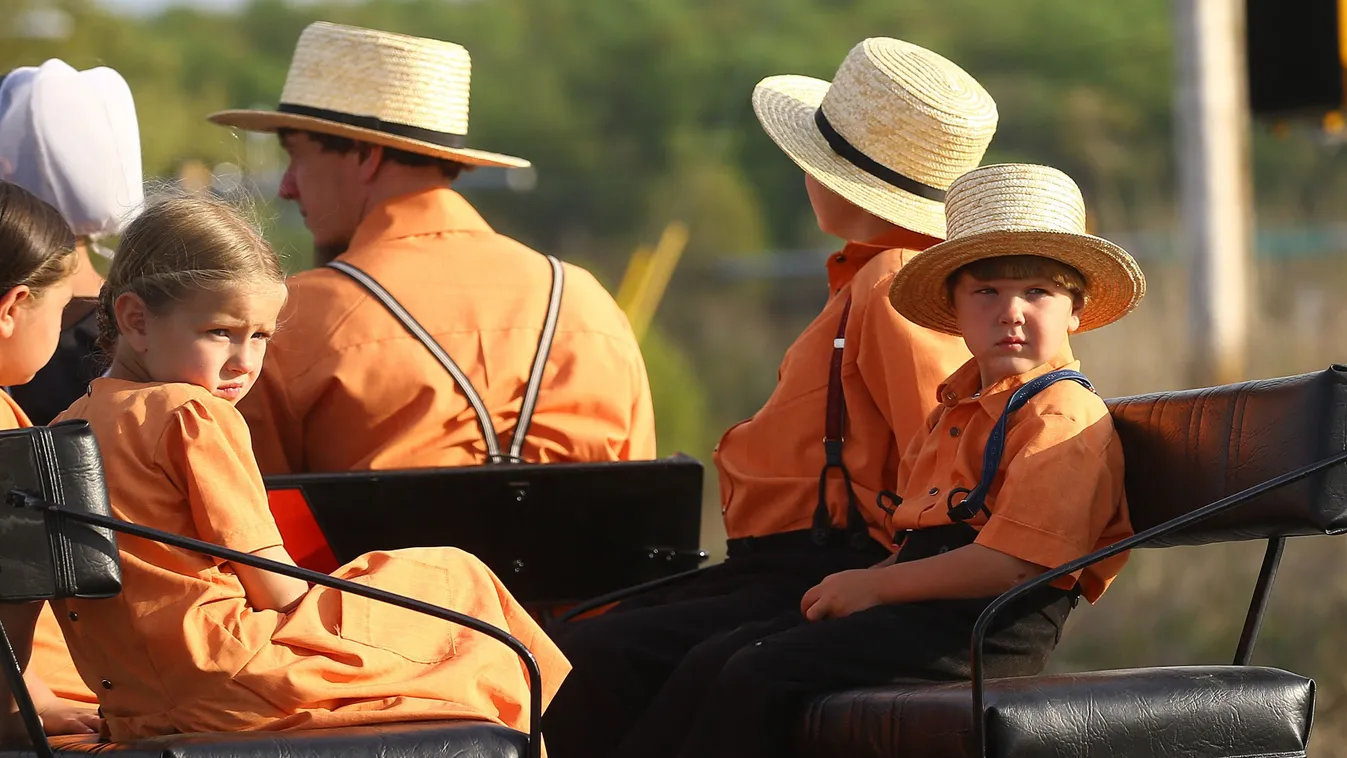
[
  {"x": 51, "y": 657},
  {"x": 1059, "y": 491},
  {"x": 769, "y": 464},
  {"x": 181, "y": 650},
  {"x": 347, "y": 388}
]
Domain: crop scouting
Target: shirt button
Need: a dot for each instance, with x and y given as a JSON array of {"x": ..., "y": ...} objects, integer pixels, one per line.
[
  {"x": 934, "y": 491},
  {"x": 954, "y": 431},
  {"x": 951, "y": 396},
  {"x": 107, "y": 685},
  {"x": 840, "y": 258},
  {"x": 74, "y": 616}
]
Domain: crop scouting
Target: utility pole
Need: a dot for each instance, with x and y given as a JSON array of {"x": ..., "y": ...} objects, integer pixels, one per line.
[{"x": 1215, "y": 206}]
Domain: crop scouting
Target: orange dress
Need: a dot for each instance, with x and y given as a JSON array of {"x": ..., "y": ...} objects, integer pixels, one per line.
[
  {"x": 181, "y": 650},
  {"x": 51, "y": 658}
]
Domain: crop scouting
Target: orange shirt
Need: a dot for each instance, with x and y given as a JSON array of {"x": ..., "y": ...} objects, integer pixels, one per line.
[
  {"x": 51, "y": 658},
  {"x": 1059, "y": 491},
  {"x": 769, "y": 464},
  {"x": 348, "y": 388},
  {"x": 181, "y": 650}
]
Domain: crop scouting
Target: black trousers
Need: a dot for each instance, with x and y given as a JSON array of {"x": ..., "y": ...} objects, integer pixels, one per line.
[
  {"x": 738, "y": 694},
  {"x": 622, "y": 659}
]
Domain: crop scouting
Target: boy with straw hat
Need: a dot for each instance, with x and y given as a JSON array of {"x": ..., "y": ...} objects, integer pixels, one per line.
[
  {"x": 1020, "y": 471},
  {"x": 430, "y": 340},
  {"x": 879, "y": 146}
]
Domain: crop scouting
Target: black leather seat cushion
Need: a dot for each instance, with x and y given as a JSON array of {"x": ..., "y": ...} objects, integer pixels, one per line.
[
  {"x": 460, "y": 739},
  {"x": 1193, "y": 711}
]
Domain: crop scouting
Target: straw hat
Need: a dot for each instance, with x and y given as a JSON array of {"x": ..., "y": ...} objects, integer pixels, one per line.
[
  {"x": 403, "y": 92},
  {"x": 896, "y": 126},
  {"x": 1018, "y": 209}
]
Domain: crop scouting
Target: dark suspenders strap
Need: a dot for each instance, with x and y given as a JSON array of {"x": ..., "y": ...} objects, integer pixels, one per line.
[
  {"x": 545, "y": 339},
  {"x": 976, "y": 498},
  {"x": 834, "y": 436},
  {"x": 493, "y": 454}
]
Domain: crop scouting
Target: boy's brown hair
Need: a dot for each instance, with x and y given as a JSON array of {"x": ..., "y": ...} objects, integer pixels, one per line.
[
  {"x": 181, "y": 244},
  {"x": 36, "y": 244},
  {"x": 1022, "y": 267}
]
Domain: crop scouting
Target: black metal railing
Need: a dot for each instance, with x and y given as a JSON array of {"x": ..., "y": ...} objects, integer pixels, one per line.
[
  {"x": 22, "y": 499},
  {"x": 1252, "y": 621}
]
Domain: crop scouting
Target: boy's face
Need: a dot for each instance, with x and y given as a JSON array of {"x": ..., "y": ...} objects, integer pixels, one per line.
[{"x": 1013, "y": 325}]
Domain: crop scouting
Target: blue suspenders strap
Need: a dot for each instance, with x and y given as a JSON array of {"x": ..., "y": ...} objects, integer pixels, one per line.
[{"x": 976, "y": 498}]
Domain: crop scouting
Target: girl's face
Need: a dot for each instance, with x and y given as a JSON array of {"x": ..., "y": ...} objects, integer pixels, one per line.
[
  {"x": 215, "y": 340},
  {"x": 30, "y": 326}
]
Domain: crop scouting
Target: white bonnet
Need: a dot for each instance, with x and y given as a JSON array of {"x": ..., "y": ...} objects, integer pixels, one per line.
[{"x": 71, "y": 138}]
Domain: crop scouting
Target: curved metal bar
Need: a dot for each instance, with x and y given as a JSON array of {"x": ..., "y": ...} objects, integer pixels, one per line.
[
  {"x": 29, "y": 500},
  {"x": 1042, "y": 580},
  {"x": 32, "y": 722},
  {"x": 1262, "y": 590}
]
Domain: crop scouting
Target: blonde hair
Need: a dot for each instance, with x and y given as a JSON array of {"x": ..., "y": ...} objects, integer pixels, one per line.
[
  {"x": 1022, "y": 267},
  {"x": 179, "y": 245}
]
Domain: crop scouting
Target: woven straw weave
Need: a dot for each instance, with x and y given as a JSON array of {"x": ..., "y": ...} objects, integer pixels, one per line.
[
  {"x": 901, "y": 105},
  {"x": 392, "y": 77},
  {"x": 1018, "y": 209}
]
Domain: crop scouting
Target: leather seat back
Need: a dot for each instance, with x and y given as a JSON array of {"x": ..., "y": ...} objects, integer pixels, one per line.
[{"x": 1186, "y": 449}]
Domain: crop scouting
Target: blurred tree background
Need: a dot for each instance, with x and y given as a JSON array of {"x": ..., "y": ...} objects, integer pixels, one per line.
[{"x": 636, "y": 113}]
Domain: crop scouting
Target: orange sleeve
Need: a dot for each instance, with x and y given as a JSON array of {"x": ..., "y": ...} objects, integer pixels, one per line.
[
  {"x": 1062, "y": 487},
  {"x": 206, "y": 452},
  {"x": 640, "y": 445},
  {"x": 902, "y": 364}
]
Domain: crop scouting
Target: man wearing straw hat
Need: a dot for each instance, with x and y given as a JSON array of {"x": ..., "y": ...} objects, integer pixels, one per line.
[
  {"x": 800, "y": 479},
  {"x": 429, "y": 339},
  {"x": 1020, "y": 472}
]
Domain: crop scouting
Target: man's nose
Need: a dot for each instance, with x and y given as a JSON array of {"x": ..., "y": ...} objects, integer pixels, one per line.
[{"x": 288, "y": 189}]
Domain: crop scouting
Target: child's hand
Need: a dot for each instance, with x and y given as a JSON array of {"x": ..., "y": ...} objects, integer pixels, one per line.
[
  {"x": 841, "y": 594},
  {"x": 62, "y": 718}
]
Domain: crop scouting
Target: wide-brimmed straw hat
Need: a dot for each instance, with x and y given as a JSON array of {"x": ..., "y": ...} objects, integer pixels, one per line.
[
  {"x": 408, "y": 93},
  {"x": 1017, "y": 209},
  {"x": 895, "y": 127}
]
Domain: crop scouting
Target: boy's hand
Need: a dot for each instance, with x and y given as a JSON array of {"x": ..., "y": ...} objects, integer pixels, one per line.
[
  {"x": 63, "y": 718},
  {"x": 842, "y": 594}
]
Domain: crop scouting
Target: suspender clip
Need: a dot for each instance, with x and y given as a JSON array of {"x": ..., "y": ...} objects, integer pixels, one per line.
[{"x": 832, "y": 453}]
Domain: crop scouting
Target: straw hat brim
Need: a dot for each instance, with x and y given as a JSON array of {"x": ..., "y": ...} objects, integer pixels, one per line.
[
  {"x": 270, "y": 121},
  {"x": 1114, "y": 283},
  {"x": 785, "y": 106}
]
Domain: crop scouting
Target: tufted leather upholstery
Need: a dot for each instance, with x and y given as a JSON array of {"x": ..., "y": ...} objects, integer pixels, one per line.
[
  {"x": 1196, "y": 712},
  {"x": 1186, "y": 449},
  {"x": 459, "y": 739}
]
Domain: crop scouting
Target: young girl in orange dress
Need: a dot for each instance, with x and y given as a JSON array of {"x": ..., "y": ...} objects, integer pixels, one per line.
[
  {"x": 194, "y": 644},
  {"x": 36, "y": 263}
]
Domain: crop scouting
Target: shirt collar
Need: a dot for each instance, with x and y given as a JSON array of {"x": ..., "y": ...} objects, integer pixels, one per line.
[
  {"x": 843, "y": 265},
  {"x": 432, "y": 211},
  {"x": 965, "y": 384}
]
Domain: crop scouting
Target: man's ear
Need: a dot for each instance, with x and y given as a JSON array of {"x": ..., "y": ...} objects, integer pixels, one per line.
[
  {"x": 1074, "y": 324},
  {"x": 370, "y": 157},
  {"x": 9, "y": 303},
  {"x": 133, "y": 318}
]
